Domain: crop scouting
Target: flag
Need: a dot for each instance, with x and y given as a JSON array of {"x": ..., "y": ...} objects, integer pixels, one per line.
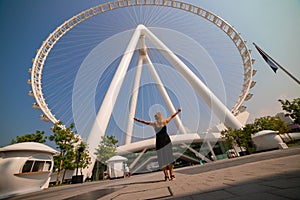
[
  {"x": 267, "y": 58},
  {"x": 273, "y": 64}
]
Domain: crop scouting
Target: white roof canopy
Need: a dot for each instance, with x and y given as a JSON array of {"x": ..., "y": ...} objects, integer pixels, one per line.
[{"x": 29, "y": 146}]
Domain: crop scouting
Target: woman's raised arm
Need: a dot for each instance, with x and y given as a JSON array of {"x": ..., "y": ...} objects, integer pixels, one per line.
[
  {"x": 173, "y": 115},
  {"x": 143, "y": 121}
]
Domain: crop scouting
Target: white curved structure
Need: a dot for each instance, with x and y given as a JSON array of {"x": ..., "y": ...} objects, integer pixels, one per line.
[
  {"x": 176, "y": 139},
  {"x": 268, "y": 139},
  {"x": 25, "y": 167}
]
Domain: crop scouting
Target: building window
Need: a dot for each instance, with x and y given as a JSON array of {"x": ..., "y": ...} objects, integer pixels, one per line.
[
  {"x": 47, "y": 166},
  {"x": 38, "y": 166},
  {"x": 27, "y": 167},
  {"x": 37, "y": 163}
]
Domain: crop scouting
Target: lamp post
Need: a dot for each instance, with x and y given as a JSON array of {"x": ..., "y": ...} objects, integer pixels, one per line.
[
  {"x": 78, "y": 178},
  {"x": 79, "y": 151}
]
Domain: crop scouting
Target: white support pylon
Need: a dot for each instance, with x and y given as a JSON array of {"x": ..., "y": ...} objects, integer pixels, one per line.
[
  {"x": 134, "y": 101},
  {"x": 108, "y": 103}
]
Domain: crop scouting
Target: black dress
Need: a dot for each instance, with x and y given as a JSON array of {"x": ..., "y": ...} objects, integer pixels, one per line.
[{"x": 163, "y": 147}]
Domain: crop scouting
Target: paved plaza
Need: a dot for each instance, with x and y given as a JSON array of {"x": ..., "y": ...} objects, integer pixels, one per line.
[{"x": 272, "y": 175}]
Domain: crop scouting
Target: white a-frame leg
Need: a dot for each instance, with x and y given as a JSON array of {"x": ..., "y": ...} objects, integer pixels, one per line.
[{"x": 108, "y": 103}]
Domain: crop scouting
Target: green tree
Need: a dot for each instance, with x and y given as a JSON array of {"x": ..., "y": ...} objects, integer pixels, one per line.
[
  {"x": 240, "y": 137},
  {"x": 271, "y": 123},
  {"x": 65, "y": 140},
  {"x": 292, "y": 108},
  {"x": 106, "y": 149},
  {"x": 83, "y": 159},
  {"x": 38, "y": 136}
]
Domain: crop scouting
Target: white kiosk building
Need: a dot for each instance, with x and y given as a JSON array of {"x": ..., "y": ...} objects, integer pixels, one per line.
[{"x": 25, "y": 167}]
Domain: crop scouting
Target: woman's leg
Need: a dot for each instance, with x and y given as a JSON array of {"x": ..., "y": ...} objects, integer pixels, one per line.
[
  {"x": 171, "y": 169},
  {"x": 166, "y": 173}
]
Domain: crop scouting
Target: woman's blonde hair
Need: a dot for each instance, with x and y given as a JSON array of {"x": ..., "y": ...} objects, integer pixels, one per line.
[{"x": 159, "y": 117}]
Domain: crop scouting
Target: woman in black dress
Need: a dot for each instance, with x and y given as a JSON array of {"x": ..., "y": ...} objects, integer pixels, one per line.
[{"x": 163, "y": 143}]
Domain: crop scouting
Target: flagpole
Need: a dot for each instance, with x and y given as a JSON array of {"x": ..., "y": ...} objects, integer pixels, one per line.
[{"x": 288, "y": 73}]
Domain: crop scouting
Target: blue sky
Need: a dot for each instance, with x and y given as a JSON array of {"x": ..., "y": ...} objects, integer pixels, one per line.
[{"x": 273, "y": 24}]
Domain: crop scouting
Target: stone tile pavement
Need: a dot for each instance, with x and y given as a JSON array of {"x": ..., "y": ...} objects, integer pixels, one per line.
[{"x": 272, "y": 175}]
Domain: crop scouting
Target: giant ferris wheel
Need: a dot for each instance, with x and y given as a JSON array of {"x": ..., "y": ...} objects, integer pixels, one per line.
[{"x": 131, "y": 58}]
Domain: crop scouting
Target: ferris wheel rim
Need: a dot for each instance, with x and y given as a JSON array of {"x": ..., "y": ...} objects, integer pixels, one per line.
[{"x": 60, "y": 31}]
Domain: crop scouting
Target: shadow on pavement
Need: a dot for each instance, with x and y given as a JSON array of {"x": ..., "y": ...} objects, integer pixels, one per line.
[{"x": 277, "y": 187}]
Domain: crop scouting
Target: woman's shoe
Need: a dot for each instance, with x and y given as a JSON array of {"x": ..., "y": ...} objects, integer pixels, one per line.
[
  {"x": 173, "y": 178},
  {"x": 166, "y": 178}
]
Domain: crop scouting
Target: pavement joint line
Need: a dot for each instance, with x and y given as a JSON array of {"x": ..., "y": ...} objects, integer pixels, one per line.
[{"x": 145, "y": 190}]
